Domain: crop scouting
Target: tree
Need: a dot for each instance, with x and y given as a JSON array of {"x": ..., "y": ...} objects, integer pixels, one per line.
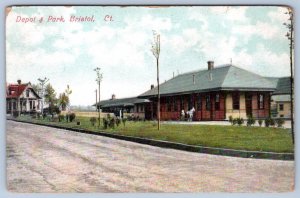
[
  {"x": 156, "y": 52},
  {"x": 68, "y": 92},
  {"x": 50, "y": 97},
  {"x": 63, "y": 101}
]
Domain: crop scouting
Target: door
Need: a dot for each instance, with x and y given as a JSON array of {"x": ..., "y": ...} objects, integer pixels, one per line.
[{"x": 248, "y": 97}]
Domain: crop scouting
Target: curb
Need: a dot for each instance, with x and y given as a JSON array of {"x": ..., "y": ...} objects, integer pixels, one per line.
[{"x": 179, "y": 146}]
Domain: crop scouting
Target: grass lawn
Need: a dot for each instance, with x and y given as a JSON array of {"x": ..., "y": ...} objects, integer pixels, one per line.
[{"x": 233, "y": 137}]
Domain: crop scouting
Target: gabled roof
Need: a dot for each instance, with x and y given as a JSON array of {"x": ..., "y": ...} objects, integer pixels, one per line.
[
  {"x": 226, "y": 77},
  {"x": 123, "y": 102},
  {"x": 283, "y": 86},
  {"x": 15, "y": 90}
]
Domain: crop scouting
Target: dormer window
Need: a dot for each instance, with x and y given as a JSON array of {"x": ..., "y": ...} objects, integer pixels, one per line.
[{"x": 27, "y": 93}]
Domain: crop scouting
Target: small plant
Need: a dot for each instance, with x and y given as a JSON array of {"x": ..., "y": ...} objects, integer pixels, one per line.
[
  {"x": 260, "y": 122},
  {"x": 93, "y": 121},
  {"x": 105, "y": 123},
  {"x": 78, "y": 122},
  {"x": 234, "y": 121},
  {"x": 124, "y": 121},
  {"x": 250, "y": 121},
  {"x": 118, "y": 122},
  {"x": 240, "y": 121},
  {"x": 231, "y": 120},
  {"x": 112, "y": 123},
  {"x": 267, "y": 122},
  {"x": 71, "y": 116},
  {"x": 279, "y": 122},
  {"x": 272, "y": 122},
  {"x": 61, "y": 117}
]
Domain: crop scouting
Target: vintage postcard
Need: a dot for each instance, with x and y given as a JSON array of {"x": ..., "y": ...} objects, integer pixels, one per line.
[{"x": 149, "y": 99}]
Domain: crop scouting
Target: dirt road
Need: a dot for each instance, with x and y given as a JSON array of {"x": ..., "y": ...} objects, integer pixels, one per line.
[{"x": 43, "y": 159}]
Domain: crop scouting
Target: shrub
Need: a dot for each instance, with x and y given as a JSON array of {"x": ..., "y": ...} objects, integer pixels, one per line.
[
  {"x": 234, "y": 121},
  {"x": 72, "y": 116},
  {"x": 112, "y": 122},
  {"x": 260, "y": 122},
  {"x": 124, "y": 121},
  {"x": 231, "y": 120},
  {"x": 93, "y": 121},
  {"x": 118, "y": 121},
  {"x": 105, "y": 123},
  {"x": 61, "y": 117},
  {"x": 250, "y": 121},
  {"x": 272, "y": 122},
  {"x": 279, "y": 122},
  {"x": 267, "y": 122},
  {"x": 240, "y": 121}
]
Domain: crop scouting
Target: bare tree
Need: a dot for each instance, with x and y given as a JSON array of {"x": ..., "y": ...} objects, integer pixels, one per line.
[
  {"x": 290, "y": 36},
  {"x": 156, "y": 52}
]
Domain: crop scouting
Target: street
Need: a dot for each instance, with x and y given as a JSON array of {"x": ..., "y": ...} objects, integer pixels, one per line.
[{"x": 44, "y": 159}]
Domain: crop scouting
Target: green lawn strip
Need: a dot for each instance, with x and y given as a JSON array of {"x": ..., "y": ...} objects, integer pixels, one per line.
[{"x": 231, "y": 137}]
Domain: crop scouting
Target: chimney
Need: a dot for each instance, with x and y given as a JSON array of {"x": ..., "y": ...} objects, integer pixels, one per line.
[
  {"x": 19, "y": 81},
  {"x": 113, "y": 96},
  {"x": 210, "y": 65},
  {"x": 152, "y": 86}
]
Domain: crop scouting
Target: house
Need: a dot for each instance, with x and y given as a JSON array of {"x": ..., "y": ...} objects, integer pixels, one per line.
[
  {"x": 22, "y": 98},
  {"x": 216, "y": 93},
  {"x": 134, "y": 106},
  {"x": 281, "y": 98}
]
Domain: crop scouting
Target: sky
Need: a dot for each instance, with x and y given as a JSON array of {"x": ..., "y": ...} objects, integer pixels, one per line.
[{"x": 119, "y": 42}]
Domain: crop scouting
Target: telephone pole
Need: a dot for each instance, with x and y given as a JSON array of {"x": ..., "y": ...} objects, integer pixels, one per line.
[{"x": 98, "y": 80}]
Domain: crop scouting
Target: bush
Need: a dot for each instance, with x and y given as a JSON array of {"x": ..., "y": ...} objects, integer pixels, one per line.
[
  {"x": 250, "y": 121},
  {"x": 118, "y": 121},
  {"x": 124, "y": 121},
  {"x": 260, "y": 122},
  {"x": 61, "y": 117},
  {"x": 272, "y": 122},
  {"x": 234, "y": 121},
  {"x": 267, "y": 122},
  {"x": 112, "y": 122},
  {"x": 105, "y": 123},
  {"x": 279, "y": 122},
  {"x": 93, "y": 120},
  {"x": 71, "y": 116},
  {"x": 240, "y": 121},
  {"x": 231, "y": 120}
]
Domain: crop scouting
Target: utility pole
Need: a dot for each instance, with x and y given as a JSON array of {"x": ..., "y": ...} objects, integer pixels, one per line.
[
  {"x": 290, "y": 36},
  {"x": 156, "y": 52},
  {"x": 98, "y": 80},
  {"x": 42, "y": 83},
  {"x": 96, "y": 100}
]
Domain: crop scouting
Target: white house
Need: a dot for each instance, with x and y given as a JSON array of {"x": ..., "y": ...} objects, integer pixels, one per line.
[{"x": 22, "y": 98}]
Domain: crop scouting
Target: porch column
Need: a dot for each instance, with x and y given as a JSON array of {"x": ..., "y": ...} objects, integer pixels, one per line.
[{"x": 12, "y": 107}]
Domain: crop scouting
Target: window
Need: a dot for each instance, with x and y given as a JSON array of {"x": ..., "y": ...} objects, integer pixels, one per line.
[
  {"x": 260, "y": 101},
  {"x": 208, "y": 102},
  {"x": 199, "y": 102},
  {"x": 281, "y": 107},
  {"x": 30, "y": 104},
  {"x": 181, "y": 103},
  {"x": 235, "y": 101},
  {"x": 217, "y": 102},
  {"x": 27, "y": 93},
  {"x": 281, "y": 116},
  {"x": 175, "y": 107},
  {"x": 191, "y": 101},
  {"x": 169, "y": 104}
]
